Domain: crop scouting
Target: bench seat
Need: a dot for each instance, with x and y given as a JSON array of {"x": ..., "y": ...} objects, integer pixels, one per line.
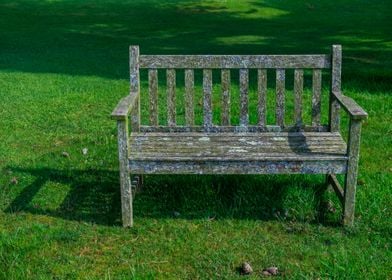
[{"x": 234, "y": 153}]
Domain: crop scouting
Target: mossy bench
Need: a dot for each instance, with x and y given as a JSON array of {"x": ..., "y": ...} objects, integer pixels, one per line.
[{"x": 223, "y": 148}]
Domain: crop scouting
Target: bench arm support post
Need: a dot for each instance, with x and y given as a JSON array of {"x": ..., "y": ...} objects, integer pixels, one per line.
[
  {"x": 125, "y": 182},
  {"x": 350, "y": 183}
]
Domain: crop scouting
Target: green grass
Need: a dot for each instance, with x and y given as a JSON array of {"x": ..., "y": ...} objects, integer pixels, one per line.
[{"x": 63, "y": 68}]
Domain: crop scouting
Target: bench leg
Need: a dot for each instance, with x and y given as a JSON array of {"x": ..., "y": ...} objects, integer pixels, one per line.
[
  {"x": 125, "y": 180},
  {"x": 350, "y": 184}
]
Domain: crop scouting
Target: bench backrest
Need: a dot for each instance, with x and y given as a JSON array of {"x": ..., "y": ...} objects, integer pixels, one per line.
[{"x": 224, "y": 63}]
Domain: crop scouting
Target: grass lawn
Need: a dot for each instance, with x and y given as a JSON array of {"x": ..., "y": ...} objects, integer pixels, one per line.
[{"x": 63, "y": 68}]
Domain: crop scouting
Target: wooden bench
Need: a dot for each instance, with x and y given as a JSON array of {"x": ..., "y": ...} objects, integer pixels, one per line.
[{"x": 260, "y": 148}]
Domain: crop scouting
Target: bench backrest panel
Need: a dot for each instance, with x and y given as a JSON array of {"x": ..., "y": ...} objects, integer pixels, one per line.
[{"x": 225, "y": 63}]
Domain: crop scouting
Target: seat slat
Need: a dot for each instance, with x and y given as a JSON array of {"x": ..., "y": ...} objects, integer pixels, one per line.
[
  {"x": 235, "y": 61},
  {"x": 316, "y": 97},
  {"x": 206, "y": 152},
  {"x": 225, "y": 77},
  {"x": 244, "y": 98},
  {"x": 262, "y": 97},
  {"x": 171, "y": 96},
  {"x": 207, "y": 98},
  {"x": 153, "y": 94},
  {"x": 280, "y": 96},
  {"x": 298, "y": 91},
  {"x": 189, "y": 97}
]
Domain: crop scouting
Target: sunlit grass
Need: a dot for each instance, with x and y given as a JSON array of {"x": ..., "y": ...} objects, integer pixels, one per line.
[{"x": 64, "y": 66}]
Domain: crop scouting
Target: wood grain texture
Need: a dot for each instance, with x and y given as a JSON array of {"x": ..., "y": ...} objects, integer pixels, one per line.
[
  {"x": 235, "y": 167},
  {"x": 207, "y": 99},
  {"x": 262, "y": 97},
  {"x": 298, "y": 92},
  {"x": 189, "y": 97},
  {"x": 134, "y": 85},
  {"x": 352, "y": 171},
  {"x": 125, "y": 106},
  {"x": 244, "y": 97},
  {"x": 336, "y": 77},
  {"x": 153, "y": 95},
  {"x": 234, "y": 61},
  {"x": 171, "y": 96},
  {"x": 225, "y": 80},
  {"x": 316, "y": 97},
  {"x": 280, "y": 96},
  {"x": 125, "y": 183},
  {"x": 350, "y": 106},
  {"x": 202, "y": 153}
]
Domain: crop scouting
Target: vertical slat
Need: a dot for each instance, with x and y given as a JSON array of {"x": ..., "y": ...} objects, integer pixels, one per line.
[
  {"x": 189, "y": 97},
  {"x": 298, "y": 91},
  {"x": 225, "y": 78},
  {"x": 334, "y": 119},
  {"x": 244, "y": 97},
  {"x": 280, "y": 92},
  {"x": 153, "y": 93},
  {"x": 316, "y": 97},
  {"x": 352, "y": 171},
  {"x": 262, "y": 96},
  {"x": 207, "y": 98},
  {"x": 171, "y": 96},
  {"x": 134, "y": 85}
]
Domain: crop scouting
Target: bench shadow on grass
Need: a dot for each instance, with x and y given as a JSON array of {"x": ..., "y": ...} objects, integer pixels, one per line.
[{"x": 93, "y": 196}]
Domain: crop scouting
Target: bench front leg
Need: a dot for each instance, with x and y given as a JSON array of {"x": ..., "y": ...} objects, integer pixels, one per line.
[
  {"x": 350, "y": 184},
  {"x": 125, "y": 182}
]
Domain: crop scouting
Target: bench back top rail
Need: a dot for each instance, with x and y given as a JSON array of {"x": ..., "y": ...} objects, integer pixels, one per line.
[{"x": 244, "y": 63}]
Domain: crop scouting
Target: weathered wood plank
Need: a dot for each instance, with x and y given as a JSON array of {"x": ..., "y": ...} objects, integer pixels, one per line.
[
  {"x": 350, "y": 106},
  {"x": 333, "y": 181},
  {"x": 134, "y": 85},
  {"x": 153, "y": 94},
  {"x": 262, "y": 97},
  {"x": 219, "y": 129},
  {"x": 236, "y": 167},
  {"x": 125, "y": 106},
  {"x": 336, "y": 76},
  {"x": 125, "y": 183},
  {"x": 171, "y": 96},
  {"x": 244, "y": 97},
  {"x": 316, "y": 97},
  {"x": 207, "y": 99},
  {"x": 280, "y": 96},
  {"x": 189, "y": 97},
  {"x": 235, "y": 61},
  {"x": 298, "y": 92},
  {"x": 225, "y": 80},
  {"x": 231, "y": 146},
  {"x": 352, "y": 171}
]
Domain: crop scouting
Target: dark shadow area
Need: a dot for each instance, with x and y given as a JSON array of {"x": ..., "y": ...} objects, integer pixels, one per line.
[
  {"x": 92, "y": 38},
  {"x": 94, "y": 196}
]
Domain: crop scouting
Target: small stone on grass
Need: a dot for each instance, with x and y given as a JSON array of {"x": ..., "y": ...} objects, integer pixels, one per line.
[
  {"x": 270, "y": 271},
  {"x": 246, "y": 268},
  {"x": 65, "y": 154},
  {"x": 84, "y": 151},
  {"x": 176, "y": 214},
  {"x": 14, "y": 181}
]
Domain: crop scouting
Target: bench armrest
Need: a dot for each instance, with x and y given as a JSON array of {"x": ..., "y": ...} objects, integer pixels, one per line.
[
  {"x": 350, "y": 106},
  {"x": 125, "y": 106}
]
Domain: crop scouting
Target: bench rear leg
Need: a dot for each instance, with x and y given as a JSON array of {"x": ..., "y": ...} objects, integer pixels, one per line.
[
  {"x": 125, "y": 179},
  {"x": 350, "y": 184}
]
